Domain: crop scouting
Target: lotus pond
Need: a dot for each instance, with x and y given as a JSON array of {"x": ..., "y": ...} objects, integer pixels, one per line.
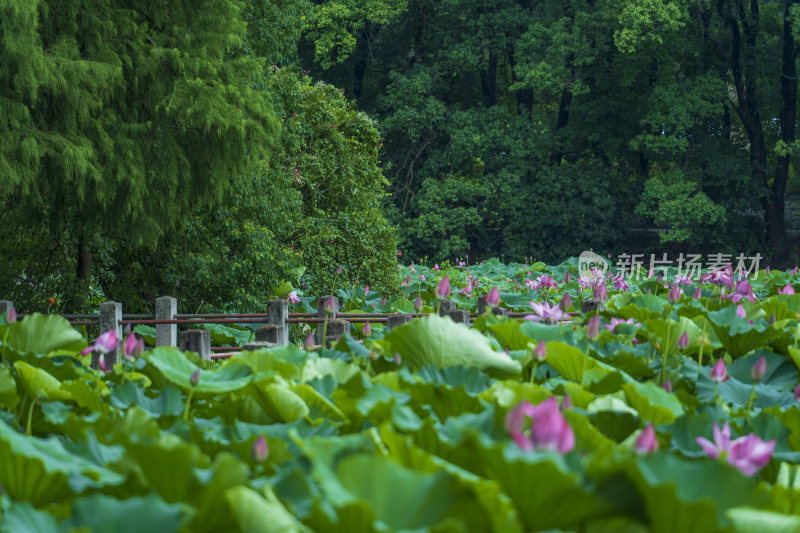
[{"x": 674, "y": 408}]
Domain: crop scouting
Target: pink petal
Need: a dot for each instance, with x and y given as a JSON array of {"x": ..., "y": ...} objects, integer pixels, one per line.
[{"x": 708, "y": 447}]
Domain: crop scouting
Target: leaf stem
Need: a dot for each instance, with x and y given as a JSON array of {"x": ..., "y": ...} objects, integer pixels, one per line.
[{"x": 188, "y": 404}]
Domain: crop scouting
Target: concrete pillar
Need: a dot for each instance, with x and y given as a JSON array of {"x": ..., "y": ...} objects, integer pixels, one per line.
[
  {"x": 590, "y": 305},
  {"x": 272, "y": 334},
  {"x": 459, "y": 316},
  {"x": 5, "y": 306},
  {"x": 398, "y": 320},
  {"x": 336, "y": 328},
  {"x": 198, "y": 341},
  {"x": 110, "y": 316},
  {"x": 166, "y": 309},
  {"x": 446, "y": 306},
  {"x": 277, "y": 313}
]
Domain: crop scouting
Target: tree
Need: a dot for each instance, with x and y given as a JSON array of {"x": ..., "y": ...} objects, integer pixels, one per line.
[{"x": 125, "y": 117}]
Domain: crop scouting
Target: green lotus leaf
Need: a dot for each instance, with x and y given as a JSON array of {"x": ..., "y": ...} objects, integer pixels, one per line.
[
  {"x": 652, "y": 402},
  {"x": 8, "y": 389},
  {"x": 746, "y": 520},
  {"x": 170, "y": 400},
  {"x": 278, "y": 401},
  {"x": 178, "y": 370},
  {"x": 209, "y": 490},
  {"x": 509, "y": 334},
  {"x": 433, "y": 340},
  {"x": 39, "y": 384},
  {"x": 22, "y": 517},
  {"x": 285, "y": 361},
  {"x": 737, "y": 335},
  {"x": 574, "y": 365},
  {"x": 323, "y": 366},
  {"x": 41, "y": 471},
  {"x": 251, "y": 509},
  {"x": 99, "y": 512},
  {"x": 38, "y": 334}
]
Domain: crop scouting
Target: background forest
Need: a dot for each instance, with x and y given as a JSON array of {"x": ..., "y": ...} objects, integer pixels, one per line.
[{"x": 226, "y": 150}]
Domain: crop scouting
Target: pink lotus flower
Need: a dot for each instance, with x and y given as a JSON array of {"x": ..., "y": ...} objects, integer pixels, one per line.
[
  {"x": 260, "y": 451},
  {"x": 674, "y": 294},
  {"x": 617, "y": 321},
  {"x": 329, "y": 306},
  {"x": 443, "y": 289},
  {"x": 683, "y": 341},
  {"x": 600, "y": 292},
  {"x": 549, "y": 429},
  {"x": 565, "y": 303},
  {"x": 667, "y": 386},
  {"x": 421, "y": 277},
  {"x": 101, "y": 362},
  {"x": 132, "y": 347},
  {"x": 418, "y": 304},
  {"x": 593, "y": 328},
  {"x": 759, "y": 369},
  {"x": 619, "y": 283},
  {"x": 104, "y": 343},
  {"x": 646, "y": 442},
  {"x": 493, "y": 298},
  {"x": 747, "y": 454},
  {"x": 293, "y": 298},
  {"x": 698, "y": 293},
  {"x": 740, "y": 312},
  {"x": 11, "y": 315},
  {"x": 743, "y": 290},
  {"x": 366, "y": 291},
  {"x": 567, "y": 277},
  {"x": 436, "y": 267},
  {"x": 544, "y": 312},
  {"x": 786, "y": 290},
  {"x": 719, "y": 372},
  {"x": 540, "y": 352},
  {"x": 366, "y": 330}
]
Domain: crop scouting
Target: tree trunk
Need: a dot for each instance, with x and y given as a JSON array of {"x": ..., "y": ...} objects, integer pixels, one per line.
[{"x": 82, "y": 271}]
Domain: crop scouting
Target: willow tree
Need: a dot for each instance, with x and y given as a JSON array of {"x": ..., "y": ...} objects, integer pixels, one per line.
[{"x": 123, "y": 116}]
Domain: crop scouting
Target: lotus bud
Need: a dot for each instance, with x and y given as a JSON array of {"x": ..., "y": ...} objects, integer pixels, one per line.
[
  {"x": 766, "y": 270},
  {"x": 719, "y": 372},
  {"x": 740, "y": 312},
  {"x": 787, "y": 289},
  {"x": 127, "y": 329},
  {"x": 418, "y": 304},
  {"x": 646, "y": 442},
  {"x": 195, "y": 378},
  {"x": 593, "y": 328},
  {"x": 567, "y": 277},
  {"x": 366, "y": 290},
  {"x": 396, "y": 359},
  {"x": 565, "y": 303},
  {"x": 759, "y": 369},
  {"x": 329, "y": 306},
  {"x": 698, "y": 293},
  {"x": 309, "y": 343},
  {"x": 674, "y": 294},
  {"x": 492, "y": 299},
  {"x": 443, "y": 289},
  {"x": 667, "y": 386},
  {"x": 436, "y": 267},
  {"x": 797, "y": 393},
  {"x": 11, "y": 316},
  {"x": 367, "y": 330},
  {"x": 338, "y": 270},
  {"x": 101, "y": 361},
  {"x": 683, "y": 341},
  {"x": 540, "y": 352},
  {"x": 383, "y": 302},
  {"x": 260, "y": 449},
  {"x": 566, "y": 403},
  {"x": 600, "y": 292}
]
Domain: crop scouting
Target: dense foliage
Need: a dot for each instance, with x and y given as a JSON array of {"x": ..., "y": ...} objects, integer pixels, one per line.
[
  {"x": 503, "y": 119},
  {"x": 672, "y": 409}
]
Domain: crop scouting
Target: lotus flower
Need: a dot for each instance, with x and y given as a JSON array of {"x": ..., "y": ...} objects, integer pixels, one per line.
[
  {"x": 683, "y": 341},
  {"x": 619, "y": 283},
  {"x": 743, "y": 290},
  {"x": 101, "y": 362},
  {"x": 786, "y": 290},
  {"x": 667, "y": 386},
  {"x": 719, "y": 372},
  {"x": 567, "y": 277},
  {"x": 748, "y": 454},
  {"x": 540, "y": 352},
  {"x": 418, "y": 304},
  {"x": 549, "y": 429},
  {"x": 294, "y": 299},
  {"x": 104, "y": 343},
  {"x": 260, "y": 450},
  {"x": 436, "y": 267},
  {"x": 309, "y": 343},
  {"x": 544, "y": 312},
  {"x": 759, "y": 369},
  {"x": 600, "y": 292},
  {"x": 492, "y": 299},
  {"x": 132, "y": 346},
  {"x": 740, "y": 312},
  {"x": 565, "y": 303},
  {"x": 329, "y": 306},
  {"x": 674, "y": 294},
  {"x": 366, "y": 291},
  {"x": 366, "y": 330},
  {"x": 593, "y": 328},
  {"x": 646, "y": 442},
  {"x": 11, "y": 316},
  {"x": 443, "y": 289},
  {"x": 698, "y": 293}
]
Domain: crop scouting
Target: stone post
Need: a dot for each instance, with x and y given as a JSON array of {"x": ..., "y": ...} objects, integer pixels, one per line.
[
  {"x": 198, "y": 341},
  {"x": 270, "y": 333},
  {"x": 398, "y": 320},
  {"x": 110, "y": 317},
  {"x": 446, "y": 306},
  {"x": 6, "y": 306},
  {"x": 258, "y": 345},
  {"x": 459, "y": 316},
  {"x": 321, "y": 304},
  {"x": 277, "y": 313},
  {"x": 166, "y": 309},
  {"x": 336, "y": 328},
  {"x": 591, "y": 305}
]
